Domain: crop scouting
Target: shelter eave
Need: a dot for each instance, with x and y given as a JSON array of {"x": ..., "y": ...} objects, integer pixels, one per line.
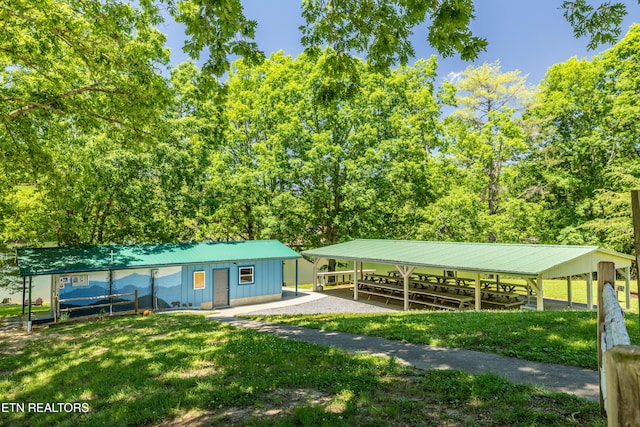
[
  {"x": 425, "y": 265},
  {"x": 133, "y": 267}
]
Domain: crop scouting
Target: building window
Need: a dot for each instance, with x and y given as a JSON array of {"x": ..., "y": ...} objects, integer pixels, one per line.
[
  {"x": 246, "y": 275},
  {"x": 198, "y": 280}
]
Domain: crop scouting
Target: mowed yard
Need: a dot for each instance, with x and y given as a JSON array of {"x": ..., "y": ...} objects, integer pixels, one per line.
[{"x": 181, "y": 369}]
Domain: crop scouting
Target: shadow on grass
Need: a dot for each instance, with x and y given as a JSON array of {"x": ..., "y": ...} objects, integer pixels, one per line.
[
  {"x": 134, "y": 371},
  {"x": 563, "y": 337}
]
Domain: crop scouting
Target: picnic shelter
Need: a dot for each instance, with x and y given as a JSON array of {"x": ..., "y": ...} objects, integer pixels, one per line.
[{"x": 467, "y": 275}]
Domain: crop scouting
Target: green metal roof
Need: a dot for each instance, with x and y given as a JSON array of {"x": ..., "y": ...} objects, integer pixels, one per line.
[
  {"x": 515, "y": 259},
  {"x": 116, "y": 257}
]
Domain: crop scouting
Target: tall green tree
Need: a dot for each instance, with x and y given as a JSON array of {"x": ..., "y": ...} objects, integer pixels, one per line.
[
  {"x": 587, "y": 157},
  {"x": 485, "y": 130},
  {"x": 102, "y": 188},
  {"x": 314, "y": 173},
  {"x": 84, "y": 64}
]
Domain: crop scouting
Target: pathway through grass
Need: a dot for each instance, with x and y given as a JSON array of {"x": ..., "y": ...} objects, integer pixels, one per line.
[{"x": 173, "y": 369}]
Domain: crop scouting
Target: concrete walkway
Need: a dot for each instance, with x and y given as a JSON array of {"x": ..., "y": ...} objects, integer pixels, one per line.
[{"x": 579, "y": 382}]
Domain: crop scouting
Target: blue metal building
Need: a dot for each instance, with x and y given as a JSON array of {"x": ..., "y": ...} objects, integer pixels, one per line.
[{"x": 202, "y": 275}]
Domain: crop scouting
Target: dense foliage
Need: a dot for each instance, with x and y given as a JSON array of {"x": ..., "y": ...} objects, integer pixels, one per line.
[{"x": 97, "y": 146}]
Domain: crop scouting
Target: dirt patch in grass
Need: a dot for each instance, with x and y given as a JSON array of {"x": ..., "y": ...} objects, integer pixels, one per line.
[
  {"x": 279, "y": 402},
  {"x": 13, "y": 337}
]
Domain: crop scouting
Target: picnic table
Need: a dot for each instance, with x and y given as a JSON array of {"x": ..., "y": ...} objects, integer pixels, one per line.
[
  {"x": 426, "y": 277},
  {"x": 489, "y": 296},
  {"x": 388, "y": 288},
  {"x": 511, "y": 287},
  {"x": 441, "y": 299},
  {"x": 450, "y": 294},
  {"x": 388, "y": 291},
  {"x": 381, "y": 278}
]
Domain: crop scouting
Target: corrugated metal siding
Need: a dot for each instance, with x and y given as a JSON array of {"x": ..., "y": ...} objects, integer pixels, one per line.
[
  {"x": 267, "y": 280},
  {"x": 196, "y": 296}
]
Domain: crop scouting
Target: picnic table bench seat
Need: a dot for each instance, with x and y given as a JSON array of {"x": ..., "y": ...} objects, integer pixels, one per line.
[
  {"x": 504, "y": 304},
  {"x": 444, "y": 297}
]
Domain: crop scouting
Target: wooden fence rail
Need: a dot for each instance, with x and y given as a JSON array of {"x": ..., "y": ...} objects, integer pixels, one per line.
[
  {"x": 618, "y": 360},
  {"x": 110, "y": 304}
]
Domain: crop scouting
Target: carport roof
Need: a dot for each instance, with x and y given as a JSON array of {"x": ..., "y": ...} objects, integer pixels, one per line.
[
  {"x": 40, "y": 261},
  {"x": 511, "y": 259}
]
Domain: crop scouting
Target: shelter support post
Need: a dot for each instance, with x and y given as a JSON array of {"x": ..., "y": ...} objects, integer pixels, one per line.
[
  {"x": 590, "y": 291},
  {"x": 627, "y": 287},
  {"x": 536, "y": 285},
  {"x": 110, "y": 292},
  {"x": 316, "y": 260},
  {"x": 569, "y": 298},
  {"x": 29, "y": 317},
  {"x": 154, "y": 300},
  {"x": 355, "y": 279},
  {"x": 296, "y": 277},
  {"x": 24, "y": 291},
  {"x": 478, "y": 293},
  {"x": 405, "y": 272}
]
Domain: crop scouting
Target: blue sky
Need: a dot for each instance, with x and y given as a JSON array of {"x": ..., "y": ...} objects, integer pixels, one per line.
[{"x": 527, "y": 35}]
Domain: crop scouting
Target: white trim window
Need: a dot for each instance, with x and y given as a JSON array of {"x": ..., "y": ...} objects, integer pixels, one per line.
[
  {"x": 198, "y": 280},
  {"x": 246, "y": 275}
]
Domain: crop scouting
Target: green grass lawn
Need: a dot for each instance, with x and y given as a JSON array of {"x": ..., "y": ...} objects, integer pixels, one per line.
[
  {"x": 566, "y": 337},
  {"x": 183, "y": 370},
  {"x": 8, "y": 310}
]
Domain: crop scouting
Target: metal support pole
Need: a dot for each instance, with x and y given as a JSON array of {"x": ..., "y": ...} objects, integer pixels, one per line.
[
  {"x": 355, "y": 280},
  {"x": 29, "y": 317},
  {"x": 590, "y": 291},
  {"x": 24, "y": 292},
  {"x": 316, "y": 261},
  {"x": 478, "y": 293},
  {"x": 110, "y": 290},
  {"x": 627, "y": 287},
  {"x": 540, "y": 301}
]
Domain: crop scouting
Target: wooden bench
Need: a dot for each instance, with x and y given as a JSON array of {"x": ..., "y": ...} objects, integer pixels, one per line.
[
  {"x": 463, "y": 301},
  {"x": 500, "y": 294},
  {"x": 434, "y": 304},
  {"x": 382, "y": 295},
  {"x": 504, "y": 304},
  {"x": 387, "y": 291}
]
